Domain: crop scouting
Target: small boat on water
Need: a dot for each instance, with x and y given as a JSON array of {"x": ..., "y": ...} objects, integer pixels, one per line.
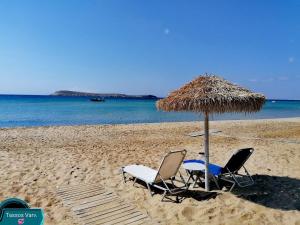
[
  {"x": 97, "y": 99},
  {"x": 273, "y": 101}
]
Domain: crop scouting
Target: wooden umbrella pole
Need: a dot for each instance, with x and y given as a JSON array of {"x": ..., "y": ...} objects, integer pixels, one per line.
[{"x": 206, "y": 150}]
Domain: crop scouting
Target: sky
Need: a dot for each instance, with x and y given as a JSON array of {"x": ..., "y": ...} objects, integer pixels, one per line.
[{"x": 148, "y": 47}]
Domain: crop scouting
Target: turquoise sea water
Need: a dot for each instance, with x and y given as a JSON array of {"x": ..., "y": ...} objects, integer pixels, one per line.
[{"x": 18, "y": 110}]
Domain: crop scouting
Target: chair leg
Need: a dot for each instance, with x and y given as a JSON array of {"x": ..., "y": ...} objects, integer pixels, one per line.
[
  {"x": 195, "y": 182},
  {"x": 231, "y": 188},
  {"x": 124, "y": 176},
  {"x": 216, "y": 182},
  {"x": 134, "y": 181},
  {"x": 186, "y": 184},
  {"x": 189, "y": 176},
  {"x": 148, "y": 186},
  {"x": 164, "y": 195},
  {"x": 249, "y": 176},
  {"x": 230, "y": 181},
  {"x": 172, "y": 182}
]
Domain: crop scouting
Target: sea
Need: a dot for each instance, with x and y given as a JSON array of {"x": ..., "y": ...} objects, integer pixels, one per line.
[{"x": 36, "y": 110}]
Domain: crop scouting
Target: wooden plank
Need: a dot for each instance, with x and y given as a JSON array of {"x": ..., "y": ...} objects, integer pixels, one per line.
[
  {"x": 88, "y": 196},
  {"x": 94, "y": 204},
  {"x": 98, "y": 208},
  {"x": 81, "y": 198},
  {"x": 95, "y": 201},
  {"x": 102, "y": 212},
  {"x": 88, "y": 199},
  {"x": 108, "y": 206}
]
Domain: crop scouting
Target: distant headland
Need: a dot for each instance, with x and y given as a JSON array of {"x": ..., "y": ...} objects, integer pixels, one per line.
[{"x": 102, "y": 95}]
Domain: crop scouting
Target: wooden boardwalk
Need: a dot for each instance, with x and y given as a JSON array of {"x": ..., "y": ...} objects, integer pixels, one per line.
[{"x": 92, "y": 204}]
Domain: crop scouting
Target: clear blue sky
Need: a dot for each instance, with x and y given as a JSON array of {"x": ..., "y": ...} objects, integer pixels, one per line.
[{"x": 148, "y": 47}]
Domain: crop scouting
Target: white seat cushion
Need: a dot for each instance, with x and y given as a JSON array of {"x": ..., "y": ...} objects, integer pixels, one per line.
[{"x": 141, "y": 172}]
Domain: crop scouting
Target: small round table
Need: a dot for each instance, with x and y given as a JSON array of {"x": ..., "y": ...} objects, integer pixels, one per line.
[{"x": 195, "y": 171}]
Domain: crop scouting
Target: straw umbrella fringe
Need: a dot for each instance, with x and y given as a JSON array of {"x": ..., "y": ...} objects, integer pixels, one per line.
[{"x": 210, "y": 94}]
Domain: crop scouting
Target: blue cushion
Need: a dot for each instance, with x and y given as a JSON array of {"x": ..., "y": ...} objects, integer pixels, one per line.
[{"x": 213, "y": 169}]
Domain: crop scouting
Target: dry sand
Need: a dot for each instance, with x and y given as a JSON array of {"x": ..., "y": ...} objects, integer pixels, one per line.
[{"x": 35, "y": 161}]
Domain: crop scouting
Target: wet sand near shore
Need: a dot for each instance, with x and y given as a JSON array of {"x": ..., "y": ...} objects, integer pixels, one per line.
[{"x": 34, "y": 162}]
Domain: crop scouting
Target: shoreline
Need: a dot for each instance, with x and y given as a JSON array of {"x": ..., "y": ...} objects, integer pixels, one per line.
[{"x": 287, "y": 119}]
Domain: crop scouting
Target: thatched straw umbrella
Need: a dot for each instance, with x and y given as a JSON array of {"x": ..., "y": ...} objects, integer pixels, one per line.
[{"x": 210, "y": 94}]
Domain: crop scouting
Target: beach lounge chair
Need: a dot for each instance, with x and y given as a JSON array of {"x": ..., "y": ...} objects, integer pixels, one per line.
[
  {"x": 230, "y": 172},
  {"x": 167, "y": 171}
]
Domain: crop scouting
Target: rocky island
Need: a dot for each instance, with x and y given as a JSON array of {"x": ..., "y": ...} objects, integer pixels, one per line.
[{"x": 101, "y": 95}]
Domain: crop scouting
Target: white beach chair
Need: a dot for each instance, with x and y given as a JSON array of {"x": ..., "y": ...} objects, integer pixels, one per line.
[{"x": 167, "y": 171}]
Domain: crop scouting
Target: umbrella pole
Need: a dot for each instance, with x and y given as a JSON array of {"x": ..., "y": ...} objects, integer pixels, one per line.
[{"x": 206, "y": 150}]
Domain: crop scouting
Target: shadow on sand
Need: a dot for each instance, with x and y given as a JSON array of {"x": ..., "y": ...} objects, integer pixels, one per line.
[
  {"x": 198, "y": 195},
  {"x": 272, "y": 191}
]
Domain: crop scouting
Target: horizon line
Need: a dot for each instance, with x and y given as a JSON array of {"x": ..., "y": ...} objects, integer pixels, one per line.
[{"x": 50, "y": 95}]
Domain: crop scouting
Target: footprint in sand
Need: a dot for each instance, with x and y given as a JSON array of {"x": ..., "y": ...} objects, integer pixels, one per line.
[{"x": 188, "y": 212}]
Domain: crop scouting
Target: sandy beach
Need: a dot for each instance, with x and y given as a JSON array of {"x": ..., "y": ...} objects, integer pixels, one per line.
[{"x": 34, "y": 162}]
